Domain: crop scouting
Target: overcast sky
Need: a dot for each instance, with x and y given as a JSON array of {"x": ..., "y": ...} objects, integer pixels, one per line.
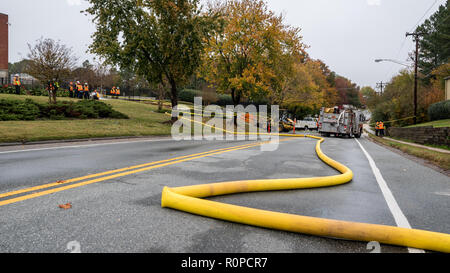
[{"x": 346, "y": 34}]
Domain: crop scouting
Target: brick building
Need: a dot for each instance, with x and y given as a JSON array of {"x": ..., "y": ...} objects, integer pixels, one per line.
[{"x": 3, "y": 48}]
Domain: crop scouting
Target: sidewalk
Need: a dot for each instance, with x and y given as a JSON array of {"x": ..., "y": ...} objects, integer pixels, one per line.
[{"x": 367, "y": 128}]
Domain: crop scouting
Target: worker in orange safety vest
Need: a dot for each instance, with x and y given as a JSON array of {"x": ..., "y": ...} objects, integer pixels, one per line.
[
  {"x": 16, "y": 83},
  {"x": 86, "y": 91},
  {"x": 79, "y": 90},
  {"x": 71, "y": 89},
  {"x": 381, "y": 128}
]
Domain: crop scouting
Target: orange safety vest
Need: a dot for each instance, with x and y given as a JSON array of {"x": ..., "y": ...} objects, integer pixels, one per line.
[
  {"x": 71, "y": 86},
  {"x": 113, "y": 91},
  {"x": 117, "y": 91},
  {"x": 16, "y": 81},
  {"x": 381, "y": 126},
  {"x": 86, "y": 88},
  {"x": 79, "y": 87},
  {"x": 377, "y": 126}
]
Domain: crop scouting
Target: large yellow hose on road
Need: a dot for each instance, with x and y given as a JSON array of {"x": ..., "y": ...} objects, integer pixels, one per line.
[{"x": 188, "y": 199}]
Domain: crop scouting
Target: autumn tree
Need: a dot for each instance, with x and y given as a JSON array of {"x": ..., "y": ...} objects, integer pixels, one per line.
[
  {"x": 330, "y": 93},
  {"x": 162, "y": 40},
  {"x": 348, "y": 91},
  {"x": 397, "y": 99},
  {"x": 369, "y": 97},
  {"x": 252, "y": 53},
  {"x": 50, "y": 60},
  {"x": 435, "y": 91},
  {"x": 85, "y": 73}
]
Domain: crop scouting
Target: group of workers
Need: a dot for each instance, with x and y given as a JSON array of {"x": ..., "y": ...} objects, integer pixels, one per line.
[
  {"x": 81, "y": 91},
  {"x": 115, "y": 92},
  {"x": 76, "y": 89},
  {"x": 379, "y": 128}
]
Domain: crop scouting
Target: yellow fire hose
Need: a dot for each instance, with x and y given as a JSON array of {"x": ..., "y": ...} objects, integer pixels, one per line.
[{"x": 188, "y": 199}]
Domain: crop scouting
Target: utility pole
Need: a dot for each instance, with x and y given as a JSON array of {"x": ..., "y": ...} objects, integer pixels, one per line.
[
  {"x": 381, "y": 85},
  {"x": 416, "y": 39}
]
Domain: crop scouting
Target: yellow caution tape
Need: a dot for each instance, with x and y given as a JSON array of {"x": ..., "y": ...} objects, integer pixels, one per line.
[
  {"x": 390, "y": 121},
  {"x": 188, "y": 199}
]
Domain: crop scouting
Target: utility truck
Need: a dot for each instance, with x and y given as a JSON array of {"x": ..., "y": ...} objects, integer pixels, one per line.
[
  {"x": 341, "y": 121},
  {"x": 307, "y": 123}
]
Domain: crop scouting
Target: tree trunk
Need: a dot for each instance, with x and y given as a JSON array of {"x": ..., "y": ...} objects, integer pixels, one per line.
[
  {"x": 236, "y": 97},
  {"x": 161, "y": 92},
  {"x": 54, "y": 96},
  {"x": 173, "y": 96},
  {"x": 160, "y": 105}
]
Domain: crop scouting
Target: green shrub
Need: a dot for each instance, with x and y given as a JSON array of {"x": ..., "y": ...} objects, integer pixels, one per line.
[
  {"x": 440, "y": 110},
  {"x": 224, "y": 100},
  {"x": 188, "y": 95},
  {"x": 8, "y": 89},
  {"x": 19, "y": 110},
  {"x": 30, "y": 110}
]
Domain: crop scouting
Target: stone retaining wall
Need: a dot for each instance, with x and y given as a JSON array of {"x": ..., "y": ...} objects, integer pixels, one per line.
[{"x": 422, "y": 135}]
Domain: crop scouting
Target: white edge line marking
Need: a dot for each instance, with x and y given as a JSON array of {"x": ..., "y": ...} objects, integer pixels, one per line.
[
  {"x": 399, "y": 217},
  {"x": 443, "y": 193}
]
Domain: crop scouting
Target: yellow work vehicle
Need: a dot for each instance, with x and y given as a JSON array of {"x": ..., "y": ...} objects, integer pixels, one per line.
[{"x": 286, "y": 124}]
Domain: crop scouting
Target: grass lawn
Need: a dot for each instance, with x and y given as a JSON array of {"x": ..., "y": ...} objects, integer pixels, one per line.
[
  {"x": 144, "y": 121},
  {"x": 436, "y": 123},
  {"x": 441, "y": 160}
]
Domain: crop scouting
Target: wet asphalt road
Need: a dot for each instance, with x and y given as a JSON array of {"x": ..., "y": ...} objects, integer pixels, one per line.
[{"x": 123, "y": 214}]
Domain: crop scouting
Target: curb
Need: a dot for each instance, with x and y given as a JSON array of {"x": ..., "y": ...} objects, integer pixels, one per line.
[{"x": 6, "y": 144}]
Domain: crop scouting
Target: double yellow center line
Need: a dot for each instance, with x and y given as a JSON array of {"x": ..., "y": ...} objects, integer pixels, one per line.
[{"x": 57, "y": 186}]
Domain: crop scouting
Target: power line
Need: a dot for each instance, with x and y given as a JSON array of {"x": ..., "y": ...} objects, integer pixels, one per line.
[
  {"x": 404, "y": 40},
  {"x": 420, "y": 20}
]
